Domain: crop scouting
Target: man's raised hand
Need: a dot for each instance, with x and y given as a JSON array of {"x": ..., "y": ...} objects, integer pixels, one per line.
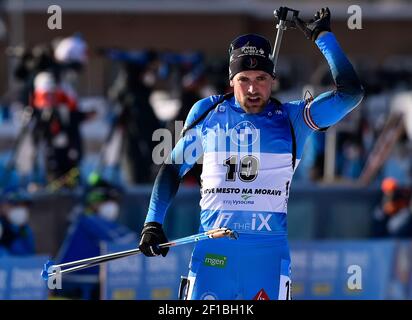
[{"x": 312, "y": 29}]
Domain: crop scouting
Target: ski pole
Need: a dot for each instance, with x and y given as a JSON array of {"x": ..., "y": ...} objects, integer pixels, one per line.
[
  {"x": 281, "y": 14},
  {"x": 90, "y": 262}
]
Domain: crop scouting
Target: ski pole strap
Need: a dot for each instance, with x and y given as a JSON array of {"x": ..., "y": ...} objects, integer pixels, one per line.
[{"x": 292, "y": 132}]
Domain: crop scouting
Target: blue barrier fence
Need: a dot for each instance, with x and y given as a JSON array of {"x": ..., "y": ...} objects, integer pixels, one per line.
[{"x": 20, "y": 278}]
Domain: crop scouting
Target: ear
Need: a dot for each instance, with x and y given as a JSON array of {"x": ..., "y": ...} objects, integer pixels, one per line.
[{"x": 231, "y": 83}]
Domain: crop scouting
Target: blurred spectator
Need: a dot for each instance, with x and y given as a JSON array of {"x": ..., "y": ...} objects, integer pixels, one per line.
[
  {"x": 57, "y": 125},
  {"x": 71, "y": 57},
  {"x": 393, "y": 218},
  {"x": 53, "y": 118},
  {"x": 195, "y": 86},
  {"x": 56, "y": 103},
  {"x": 353, "y": 162},
  {"x": 399, "y": 164},
  {"x": 32, "y": 61},
  {"x": 16, "y": 236},
  {"x": 135, "y": 116},
  {"x": 98, "y": 222}
]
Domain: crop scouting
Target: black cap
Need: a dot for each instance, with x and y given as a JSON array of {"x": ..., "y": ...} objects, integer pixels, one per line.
[{"x": 250, "y": 52}]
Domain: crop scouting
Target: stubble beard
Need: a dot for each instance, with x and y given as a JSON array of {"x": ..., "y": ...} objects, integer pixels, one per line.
[{"x": 254, "y": 107}]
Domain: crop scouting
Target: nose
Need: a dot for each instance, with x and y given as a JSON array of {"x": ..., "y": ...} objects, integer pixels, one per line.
[{"x": 251, "y": 88}]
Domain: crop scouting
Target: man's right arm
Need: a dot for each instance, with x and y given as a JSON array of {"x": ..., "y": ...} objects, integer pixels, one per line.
[{"x": 182, "y": 158}]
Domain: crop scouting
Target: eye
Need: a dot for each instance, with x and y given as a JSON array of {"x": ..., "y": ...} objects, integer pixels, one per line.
[
  {"x": 261, "y": 78},
  {"x": 243, "y": 79}
]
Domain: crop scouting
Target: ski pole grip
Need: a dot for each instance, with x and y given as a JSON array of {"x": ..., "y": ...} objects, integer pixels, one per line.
[
  {"x": 282, "y": 13},
  {"x": 221, "y": 233}
]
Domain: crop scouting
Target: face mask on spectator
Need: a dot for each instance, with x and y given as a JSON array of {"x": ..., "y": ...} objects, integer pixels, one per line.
[
  {"x": 18, "y": 216},
  {"x": 109, "y": 210}
]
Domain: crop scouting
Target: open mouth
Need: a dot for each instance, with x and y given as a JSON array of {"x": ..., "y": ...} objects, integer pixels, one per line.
[{"x": 253, "y": 99}]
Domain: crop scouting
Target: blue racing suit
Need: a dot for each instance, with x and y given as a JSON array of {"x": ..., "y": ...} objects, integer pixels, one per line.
[{"x": 248, "y": 164}]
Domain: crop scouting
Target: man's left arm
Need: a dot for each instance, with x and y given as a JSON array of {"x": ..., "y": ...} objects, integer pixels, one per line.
[{"x": 330, "y": 107}]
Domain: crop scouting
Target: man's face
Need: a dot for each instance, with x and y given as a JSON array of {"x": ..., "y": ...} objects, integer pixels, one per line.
[{"x": 252, "y": 89}]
